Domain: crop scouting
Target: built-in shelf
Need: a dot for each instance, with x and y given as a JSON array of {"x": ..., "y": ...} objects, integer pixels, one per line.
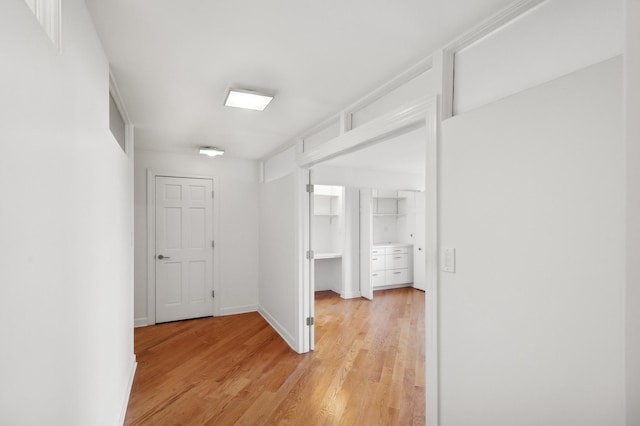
[
  {"x": 319, "y": 256},
  {"x": 389, "y": 214},
  {"x": 326, "y": 214}
]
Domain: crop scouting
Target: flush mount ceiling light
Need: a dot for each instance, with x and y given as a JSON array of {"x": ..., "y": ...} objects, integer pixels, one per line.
[
  {"x": 247, "y": 99},
  {"x": 211, "y": 151}
]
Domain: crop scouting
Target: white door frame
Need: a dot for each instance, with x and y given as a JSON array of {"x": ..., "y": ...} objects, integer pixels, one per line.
[
  {"x": 423, "y": 111},
  {"x": 151, "y": 238}
]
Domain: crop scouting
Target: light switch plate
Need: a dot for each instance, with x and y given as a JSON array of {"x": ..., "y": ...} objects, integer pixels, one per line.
[{"x": 449, "y": 260}]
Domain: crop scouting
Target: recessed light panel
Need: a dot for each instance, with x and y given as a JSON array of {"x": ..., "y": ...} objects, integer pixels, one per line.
[
  {"x": 247, "y": 99},
  {"x": 211, "y": 151}
]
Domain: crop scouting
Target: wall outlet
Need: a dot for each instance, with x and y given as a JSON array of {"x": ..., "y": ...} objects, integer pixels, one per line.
[{"x": 449, "y": 260}]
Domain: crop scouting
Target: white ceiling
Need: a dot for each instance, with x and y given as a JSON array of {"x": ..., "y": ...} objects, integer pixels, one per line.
[
  {"x": 174, "y": 60},
  {"x": 405, "y": 153}
]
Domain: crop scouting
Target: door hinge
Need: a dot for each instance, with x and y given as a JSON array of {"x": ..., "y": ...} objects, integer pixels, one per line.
[
  {"x": 213, "y": 194},
  {"x": 310, "y": 320},
  {"x": 310, "y": 254},
  {"x": 213, "y": 293},
  {"x": 213, "y": 243},
  {"x": 310, "y": 188}
]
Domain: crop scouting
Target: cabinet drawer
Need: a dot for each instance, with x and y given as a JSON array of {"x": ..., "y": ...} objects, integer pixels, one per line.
[
  {"x": 397, "y": 261},
  {"x": 377, "y": 251},
  {"x": 396, "y": 250},
  {"x": 377, "y": 279},
  {"x": 377, "y": 263},
  {"x": 398, "y": 276}
]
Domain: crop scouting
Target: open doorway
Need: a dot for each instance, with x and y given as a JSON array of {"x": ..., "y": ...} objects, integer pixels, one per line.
[
  {"x": 323, "y": 163},
  {"x": 367, "y": 224}
]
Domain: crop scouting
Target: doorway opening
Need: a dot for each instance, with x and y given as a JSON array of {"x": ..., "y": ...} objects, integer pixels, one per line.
[
  {"x": 363, "y": 239},
  {"x": 322, "y": 162}
]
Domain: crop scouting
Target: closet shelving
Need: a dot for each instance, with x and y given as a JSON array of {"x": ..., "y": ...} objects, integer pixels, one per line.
[
  {"x": 388, "y": 203},
  {"x": 326, "y": 205}
]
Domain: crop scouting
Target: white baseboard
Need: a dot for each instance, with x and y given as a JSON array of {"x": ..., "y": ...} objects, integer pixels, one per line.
[
  {"x": 140, "y": 322},
  {"x": 127, "y": 390},
  {"x": 286, "y": 336},
  {"x": 352, "y": 295},
  {"x": 389, "y": 287},
  {"x": 234, "y": 310}
]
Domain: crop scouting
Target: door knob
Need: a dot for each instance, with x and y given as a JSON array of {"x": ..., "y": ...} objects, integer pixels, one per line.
[{"x": 163, "y": 257}]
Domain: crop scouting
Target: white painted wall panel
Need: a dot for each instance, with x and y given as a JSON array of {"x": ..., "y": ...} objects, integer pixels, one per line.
[
  {"x": 359, "y": 178},
  {"x": 328, "y": 275},
  {"x": 551, "y": 40},
  {"x": 632, "y": 111},
  {"x": 278, "y": 276},
  {"x": 237, "y": 243},
  {"x": 532, "y": 322},
  {"x": 280, "y": 165},
  {"x": 66, "y": 270},
  {"x": 332, "y": 130},
  {"x": 422, "y": 85}
]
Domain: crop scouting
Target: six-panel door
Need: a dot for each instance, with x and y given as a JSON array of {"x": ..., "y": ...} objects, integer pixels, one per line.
[{"x": 184, "y": 252}]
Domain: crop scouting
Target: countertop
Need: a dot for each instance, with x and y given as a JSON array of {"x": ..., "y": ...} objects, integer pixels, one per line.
[{"x": 384, "y": 245}]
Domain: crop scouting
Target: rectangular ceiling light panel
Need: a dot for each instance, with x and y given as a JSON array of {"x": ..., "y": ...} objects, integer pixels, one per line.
[
  {"x": 247, "y": 99},
  {"x": 211, "y": 151}
]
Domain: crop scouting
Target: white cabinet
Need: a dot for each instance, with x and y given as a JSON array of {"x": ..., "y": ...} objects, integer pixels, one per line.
[
  {"x": 378, "y": 262},
  {"x": 395, "y": 277},
  {"x": 391, "y": 265},
  {"x": 378, "y": 279},
  {"x": 397, "y": 261}
]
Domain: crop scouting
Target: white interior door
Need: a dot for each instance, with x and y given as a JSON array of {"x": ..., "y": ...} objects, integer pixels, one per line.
[
  {"x": 366, "y": 231},
  {"x": 184, "y": 248},
  {"x": 419, "y": 248}
]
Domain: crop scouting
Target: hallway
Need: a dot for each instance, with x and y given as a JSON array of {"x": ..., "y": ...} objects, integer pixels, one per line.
[{"x": 368, "y": 368}]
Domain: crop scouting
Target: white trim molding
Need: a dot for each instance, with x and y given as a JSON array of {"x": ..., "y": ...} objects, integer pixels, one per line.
[
  {"x": 351, "y": 295},
  {"x": 394, "y": 122},
  {"x": 140, "y": 322},
  {"x": 235, "y": 310},
  {"x": 432, "y": 250},
  {"x": 345, "y": 117},
  {"x": 388, "y": 87},
  {"x": 151, "y": 238},
  {"x": 127, "y": 390},
  {"x": 278, "y": 328},
  {"x": 319, "y": 128}
]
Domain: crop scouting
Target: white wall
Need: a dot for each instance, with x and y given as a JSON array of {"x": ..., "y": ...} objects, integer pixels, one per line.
[
  {"x": 279, "y": 279},
  {"x": 351, "y": 255},
  {"x": 280, "y": 164},
  {"x": 360, "y": 178},
  {"x": 532, "y": 322},
  {"x": 328, "y": 275},
  {"x": 533, "y": 49},
  {"x": 632, "y": 111},
  {"x": 66, "y": 312},
  {"x": 237, "y": 240}
]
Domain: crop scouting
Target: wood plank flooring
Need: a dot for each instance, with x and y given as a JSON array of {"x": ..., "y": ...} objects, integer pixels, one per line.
[{"x": 367, "y": 369}]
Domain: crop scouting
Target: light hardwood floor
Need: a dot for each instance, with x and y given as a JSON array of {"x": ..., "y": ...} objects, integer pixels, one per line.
[{"x": 367, "y": 369}]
